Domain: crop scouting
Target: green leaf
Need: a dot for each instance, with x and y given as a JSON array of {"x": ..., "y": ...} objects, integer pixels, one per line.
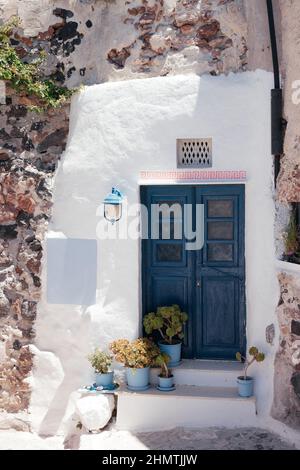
[
  {"x": 238, "y": 356},
  {"x": 170, "y": 332},
  {"x": 27, "y": 78},
  {"x": 260, "y": 357},
  {"x": 253, "y": 351}
]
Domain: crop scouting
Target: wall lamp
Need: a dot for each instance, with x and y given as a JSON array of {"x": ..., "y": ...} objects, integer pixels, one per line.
[{"x": 113, "y": 206}]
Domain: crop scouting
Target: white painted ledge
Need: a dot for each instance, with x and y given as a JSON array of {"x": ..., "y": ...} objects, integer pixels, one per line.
[
  {"x": 187, "y": 406},
  {"x": 287, "y": 267}
]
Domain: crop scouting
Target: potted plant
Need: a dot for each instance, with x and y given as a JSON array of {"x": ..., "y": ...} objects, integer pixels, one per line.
[
  {"x": 137, "y": 356},
  {"x": 245, "y": 383},
  {"x": 101, "y": 362},
  {"x": 169, "y": 322},
  {"x": 165, "y": 377},
  {"x": 291, "y": 240}
]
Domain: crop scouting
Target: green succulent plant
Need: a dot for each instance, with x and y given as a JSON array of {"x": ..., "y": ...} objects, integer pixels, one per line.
[
  {"x": 291, "y": 237},
  {"x": 100, "y": 361},
  {"x": 162, "y": 361},
  {"x": 256, "y": 356},
  {"x": 27, "y": 78},
  {"x": 168, "y": 321}
]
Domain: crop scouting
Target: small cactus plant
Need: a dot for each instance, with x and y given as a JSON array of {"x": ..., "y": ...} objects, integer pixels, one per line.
[
  {"x": 255, "y": 354},
  {"x": 162, "y": 361}
]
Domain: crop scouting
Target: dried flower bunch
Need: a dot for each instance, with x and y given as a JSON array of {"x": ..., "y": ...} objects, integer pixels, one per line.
[{"x": 136, "y": 354}]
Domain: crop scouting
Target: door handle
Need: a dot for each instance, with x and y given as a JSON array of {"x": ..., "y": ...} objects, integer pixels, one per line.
[{"x": 198, "y": 283}]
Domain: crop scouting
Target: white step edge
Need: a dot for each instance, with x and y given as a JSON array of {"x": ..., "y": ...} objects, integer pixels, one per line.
[
  {"x": 188, "y": 406},
  {"x": 287, "y": 267},
  {"x": 203, "y": 373}
]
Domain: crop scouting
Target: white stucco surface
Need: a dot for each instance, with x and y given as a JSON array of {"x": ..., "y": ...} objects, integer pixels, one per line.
[
  {"x": 119, "y": 129},
  {"x": 71, "y": 271}
]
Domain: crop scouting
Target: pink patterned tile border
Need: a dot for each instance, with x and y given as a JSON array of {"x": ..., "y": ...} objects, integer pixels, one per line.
[{"x": 195, "y": 175}]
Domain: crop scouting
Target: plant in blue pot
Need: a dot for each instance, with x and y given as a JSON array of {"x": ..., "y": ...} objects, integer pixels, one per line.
[
  {"x": 245, "y": 382},
  {"x": 165, "y": 377},
  {"x": 137, "y": 356},
  {"x": 169, "y": 322},
  {"x": 101, "y": 362}
]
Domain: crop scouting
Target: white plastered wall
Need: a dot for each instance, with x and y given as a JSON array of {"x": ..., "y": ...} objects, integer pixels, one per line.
[{"x": 117, "y": 130}]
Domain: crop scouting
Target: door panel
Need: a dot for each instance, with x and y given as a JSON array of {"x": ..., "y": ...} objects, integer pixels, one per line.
[
  {"x": 219, "y": 207},
  {"x": 220, "y": 332},
  {"x": 167, "y": 266},
  {"x": 219, "y": 252},
  {"x": 209, "y": 283},
  {"x": 220, "y": 230},
  {"x": 169, "y": 289}
]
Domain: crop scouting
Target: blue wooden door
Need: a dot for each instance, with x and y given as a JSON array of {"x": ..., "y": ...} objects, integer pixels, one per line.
[{"x": 208, "y": 283}]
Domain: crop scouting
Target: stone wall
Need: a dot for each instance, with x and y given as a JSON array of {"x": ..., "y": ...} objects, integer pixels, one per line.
[
  {"x": 194, "y": 33},
  {"x": 31, "y": 145},
  {"x": 289, "y": 178},
  {"x": 286, "y": 406},
  {"x": 91, "y": 41}
]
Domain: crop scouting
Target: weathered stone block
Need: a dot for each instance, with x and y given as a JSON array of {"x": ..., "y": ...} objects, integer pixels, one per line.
[
  {"x": 4, "y": 306},
  {"x": 208, "y": 30},
  {"x": 8, "y": 231},
  {"x": 56, "y": 138},
  {"x": 295, "y": 327},
  {"x": 270, "y": 333},
  {"x": 118, "y": 58},
  {"x": 95, "y": 412},
  {"x": 62, "y": 13},
  {"x": 295, "y": 381}
]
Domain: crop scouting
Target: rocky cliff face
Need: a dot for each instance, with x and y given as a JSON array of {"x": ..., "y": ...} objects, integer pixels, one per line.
[
  {"x": 289, "y": 180},
  {"x": 31, "y": 145},
  {"x": 99, "y": 40},
  {"x": 286, "y": 406}
]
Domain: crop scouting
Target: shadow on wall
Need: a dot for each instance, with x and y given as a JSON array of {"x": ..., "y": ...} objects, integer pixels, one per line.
[
  {"x": 57, "y": 374},
  {"x": 72, "y": 331}
]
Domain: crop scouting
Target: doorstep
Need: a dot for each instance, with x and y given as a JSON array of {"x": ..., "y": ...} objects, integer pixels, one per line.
[
  {"x": 204, "y": 373},
  {"x": 188, "y": 405}
]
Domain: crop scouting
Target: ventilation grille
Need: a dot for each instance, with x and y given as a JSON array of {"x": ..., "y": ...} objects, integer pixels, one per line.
[{"x": 194, "y": 153}]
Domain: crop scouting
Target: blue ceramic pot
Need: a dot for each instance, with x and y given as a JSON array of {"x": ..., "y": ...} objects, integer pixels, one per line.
[
  {"x": 245, "y": 387},
  {"x": 173, "y": 351},
  {"x": 165, "y": 382},
  {"x": 104, "y": 379},
  {"x": 138, "y": 379}
]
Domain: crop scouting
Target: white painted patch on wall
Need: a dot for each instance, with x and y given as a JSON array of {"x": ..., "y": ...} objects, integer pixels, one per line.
[
  {"x": 120, "y": 129},
  {"x": 71, "y": 271}
]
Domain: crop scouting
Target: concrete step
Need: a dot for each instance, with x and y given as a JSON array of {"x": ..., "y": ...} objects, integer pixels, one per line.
[
  {"x": 204, "y": 373},
  {"x": 188, "y": 405}
]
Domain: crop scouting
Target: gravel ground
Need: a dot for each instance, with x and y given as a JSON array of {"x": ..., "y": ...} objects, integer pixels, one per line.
[
  {"x": 175, "y": 439},
  {"x": 215, "y": 439}
]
